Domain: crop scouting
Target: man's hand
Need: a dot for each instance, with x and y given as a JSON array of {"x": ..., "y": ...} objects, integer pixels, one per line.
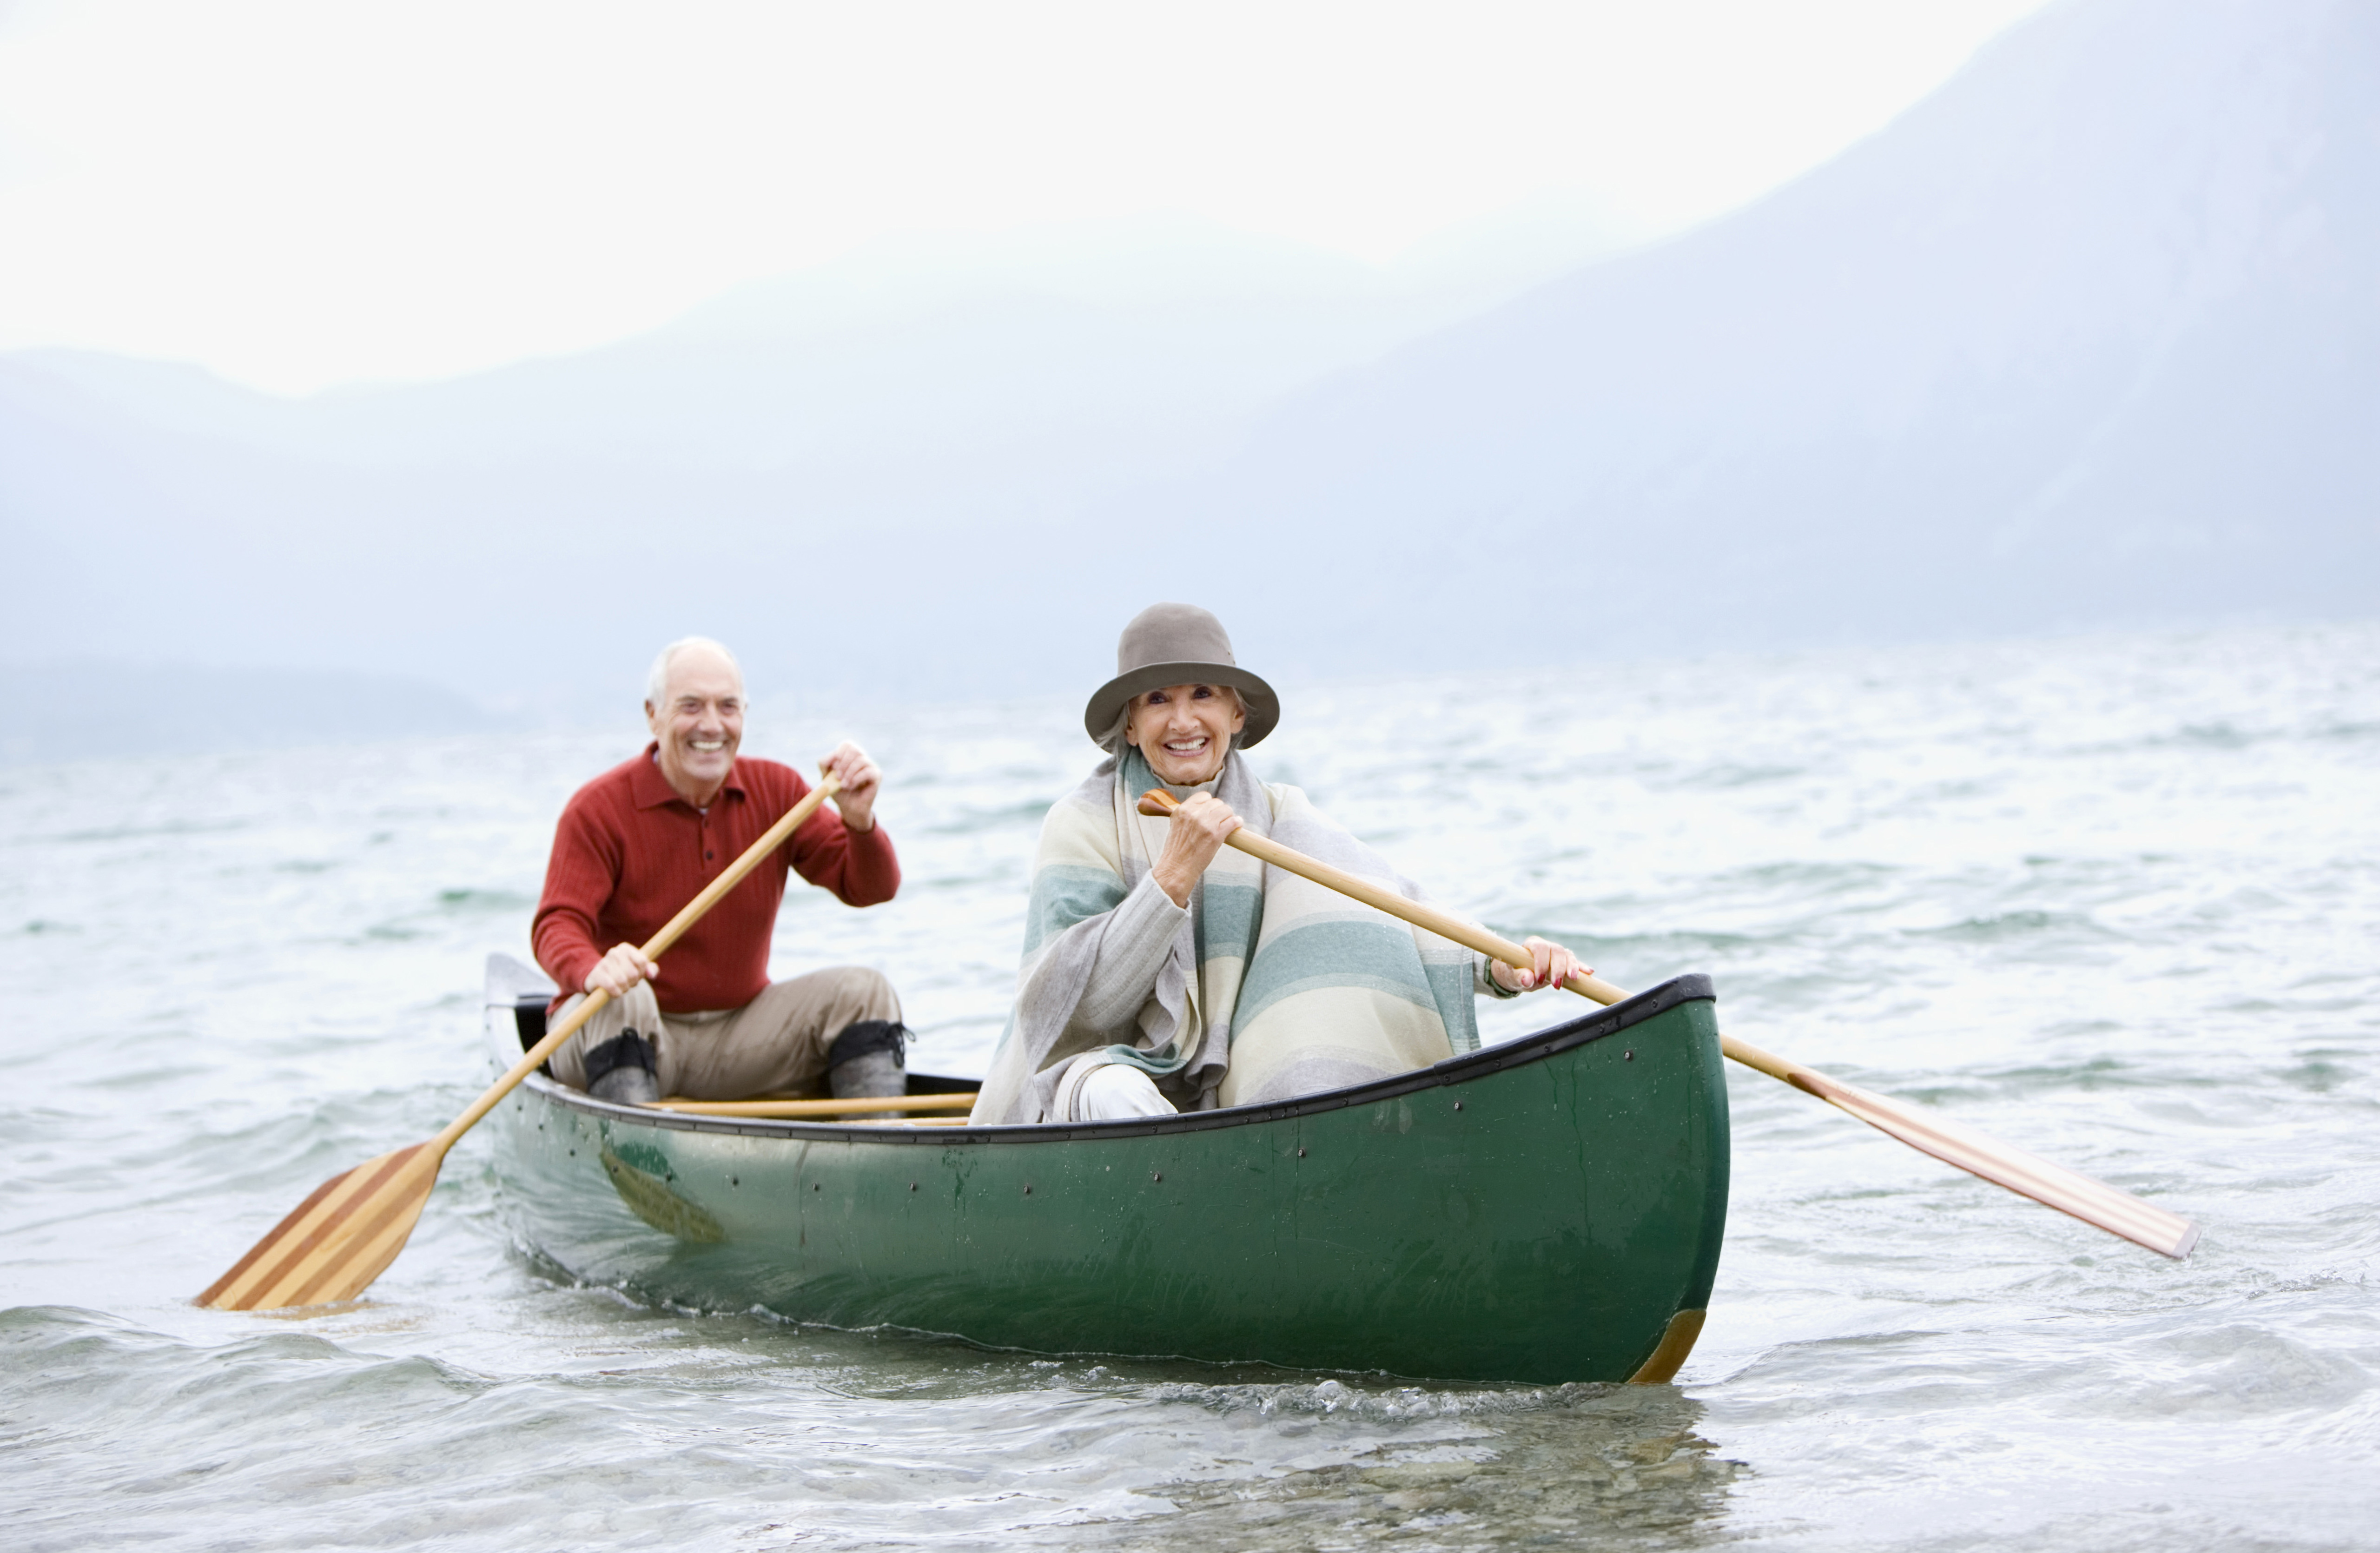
[
  {"x": 1192, "y": 838},
  {"x": 1554, "y": 966},
  {"x": 619, "y": 972},
  {"x": 856, "y": 802}
]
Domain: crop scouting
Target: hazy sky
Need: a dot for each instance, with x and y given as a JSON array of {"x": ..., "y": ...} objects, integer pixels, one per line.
[{"x": 300, "y": 192}]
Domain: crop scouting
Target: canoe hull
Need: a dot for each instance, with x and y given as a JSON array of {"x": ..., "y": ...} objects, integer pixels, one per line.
[{"x": 1539, "y": 1211}]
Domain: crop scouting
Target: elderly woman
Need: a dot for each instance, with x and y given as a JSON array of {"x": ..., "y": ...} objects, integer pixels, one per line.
[{"x": 1165, "y": 971}]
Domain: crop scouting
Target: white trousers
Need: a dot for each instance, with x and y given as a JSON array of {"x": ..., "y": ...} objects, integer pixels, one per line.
[{"x": 1115, "y": 1091}]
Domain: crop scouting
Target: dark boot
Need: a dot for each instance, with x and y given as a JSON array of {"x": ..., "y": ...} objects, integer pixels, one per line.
[
  {"x": 620, "y": 1071},
  {"x": 867, "y": 1060}
]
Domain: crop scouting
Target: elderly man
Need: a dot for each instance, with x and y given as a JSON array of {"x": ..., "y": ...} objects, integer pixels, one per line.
[{"x": 640, "y": 841}]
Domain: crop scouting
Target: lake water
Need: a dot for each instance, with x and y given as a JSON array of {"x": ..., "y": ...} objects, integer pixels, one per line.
[{"x": 2113, "y": 900}]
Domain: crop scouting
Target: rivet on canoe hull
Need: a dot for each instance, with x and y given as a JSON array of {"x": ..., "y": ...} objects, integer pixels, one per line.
[
  {"x": 1628, "y": 1056},
  {"x": 1157, "y": 1175},
  {"x": 734, "y": 1181},
  {"x": 1458, "y": 1105},
  {"x": 1028, "y": 1191},
  {"x": 913, "y": 1186},
  {"x": 1301, "y": 1154}
]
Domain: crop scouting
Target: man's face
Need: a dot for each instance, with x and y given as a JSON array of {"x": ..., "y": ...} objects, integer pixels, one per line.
[{"x": 701, "y": 720}]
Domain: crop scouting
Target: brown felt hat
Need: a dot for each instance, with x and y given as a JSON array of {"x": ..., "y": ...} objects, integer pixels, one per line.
[{"x": 1179, "y": 644}]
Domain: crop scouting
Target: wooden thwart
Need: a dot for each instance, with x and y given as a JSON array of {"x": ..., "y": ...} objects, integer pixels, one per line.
[
  {"x": 790, "y": 1110},
  {"x": 337, "y": 1241},
  {"x": 2053, "y": 1185}
]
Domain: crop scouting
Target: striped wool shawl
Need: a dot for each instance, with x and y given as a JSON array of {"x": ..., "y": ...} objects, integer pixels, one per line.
[{"x": 1271, "y": 985}]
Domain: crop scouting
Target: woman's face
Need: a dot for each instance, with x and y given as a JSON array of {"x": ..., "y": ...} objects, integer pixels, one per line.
[{"x": 1184, "y": 730}]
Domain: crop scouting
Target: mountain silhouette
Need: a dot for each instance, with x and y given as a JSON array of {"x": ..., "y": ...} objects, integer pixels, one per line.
[{"x": 2089, "y": 337}]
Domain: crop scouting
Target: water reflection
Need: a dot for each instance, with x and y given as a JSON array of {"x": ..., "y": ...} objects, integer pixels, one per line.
[
  {"x": 1248, "y": 1457},
  {"x": 1573, "y": 1466}
]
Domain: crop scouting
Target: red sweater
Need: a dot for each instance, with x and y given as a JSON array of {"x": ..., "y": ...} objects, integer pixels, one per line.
[{"x": 628, "y": 855}]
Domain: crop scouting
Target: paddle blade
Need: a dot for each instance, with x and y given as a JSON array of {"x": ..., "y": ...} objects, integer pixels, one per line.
[
  {"x": 337, "y": 1241},
  {"x": 2094, "y": 1202}
]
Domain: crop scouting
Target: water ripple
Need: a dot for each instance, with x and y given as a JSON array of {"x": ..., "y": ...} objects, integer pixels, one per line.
[{"x": 2112, "y": 899}]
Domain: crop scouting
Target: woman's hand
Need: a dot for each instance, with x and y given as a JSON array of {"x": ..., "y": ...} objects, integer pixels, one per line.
[
  {"x": 1192, "y": 839},
  {"x": 1553, "y": 966}
]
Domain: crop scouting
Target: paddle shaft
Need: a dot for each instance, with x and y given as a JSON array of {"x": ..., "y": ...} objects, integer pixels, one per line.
[
  {"x": 1373, "y": 893},
  {"x": 654, "y": 947},
  {"x": 2053, "y": 1185},
  {"x": 332, "y": 1245},
  {"x": 1472, "y": 936}
]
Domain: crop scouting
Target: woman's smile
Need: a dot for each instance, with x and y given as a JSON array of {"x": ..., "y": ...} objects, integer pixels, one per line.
[{"x": 1184, "y": 730}]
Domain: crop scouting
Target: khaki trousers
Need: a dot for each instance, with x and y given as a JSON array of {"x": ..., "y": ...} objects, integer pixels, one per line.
[{"x": 778, "y": 1041}]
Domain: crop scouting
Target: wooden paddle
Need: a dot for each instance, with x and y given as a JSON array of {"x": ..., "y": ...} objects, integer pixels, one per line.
[
  {"x": 2094, "y": 1202},
  {"x": 337, "y": 1241}
]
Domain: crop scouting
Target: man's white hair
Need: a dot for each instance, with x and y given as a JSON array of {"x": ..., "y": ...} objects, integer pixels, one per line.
[{"x": 657, "y": 682}]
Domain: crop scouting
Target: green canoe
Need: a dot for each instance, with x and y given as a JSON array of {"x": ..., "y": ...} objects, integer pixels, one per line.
[{"x": 1546, "y": 1209}]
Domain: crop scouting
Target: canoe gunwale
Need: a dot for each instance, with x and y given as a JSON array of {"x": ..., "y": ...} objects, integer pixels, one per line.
[{"x": 1593, "y": 1025}]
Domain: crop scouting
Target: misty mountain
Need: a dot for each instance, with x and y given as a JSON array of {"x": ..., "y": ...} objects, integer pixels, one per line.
[
  {"x": 1137, "y": 329},
  {"x": 777, "y": 466},
  {"x": 2090, "y": 336}
]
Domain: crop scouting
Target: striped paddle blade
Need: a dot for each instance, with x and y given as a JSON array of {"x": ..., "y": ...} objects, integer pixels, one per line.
[{"x": 338, "y": 1240}]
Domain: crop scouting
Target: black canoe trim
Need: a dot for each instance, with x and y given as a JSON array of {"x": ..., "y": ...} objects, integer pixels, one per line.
[{"x": 1454, "y": 1071}]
